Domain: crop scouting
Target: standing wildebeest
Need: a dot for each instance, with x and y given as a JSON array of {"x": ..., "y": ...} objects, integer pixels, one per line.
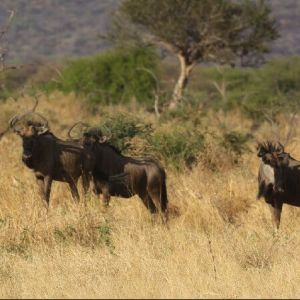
[
  {"x": 51, "y": 158},
  {"x": 118, "y": 175},
  {"x": 281, "y": 172}
]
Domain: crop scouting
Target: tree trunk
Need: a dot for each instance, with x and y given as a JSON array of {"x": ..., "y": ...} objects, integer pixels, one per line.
[{"x": 185, "y": 70}]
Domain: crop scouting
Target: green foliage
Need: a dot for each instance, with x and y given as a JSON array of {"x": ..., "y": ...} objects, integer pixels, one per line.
[
  {"x": 124, "y": 128},
  {"x": 236, "y": 142},
  {"x": 216, "y": 29},
  {"x": 203, "y": 31},
  {"x": 275, "y": 88},
  {"x": 271, "y": 89},
  {"x": 105, "y": 236},
  {"x": 179, "y": 146},
  {"x": 112, "y": 77}
]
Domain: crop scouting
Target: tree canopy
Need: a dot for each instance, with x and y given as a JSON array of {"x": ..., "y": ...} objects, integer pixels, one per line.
[{"x": 221, "y": 31}]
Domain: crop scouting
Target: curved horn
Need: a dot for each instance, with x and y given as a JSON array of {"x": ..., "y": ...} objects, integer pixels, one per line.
[
  {"x": 42, "y": 117},
  {"x": 73, "y": 126},
  {"x": 17, "y": 118}
]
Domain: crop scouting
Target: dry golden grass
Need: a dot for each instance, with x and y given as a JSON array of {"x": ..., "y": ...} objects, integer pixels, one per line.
[{"x": 220, "y": 242}]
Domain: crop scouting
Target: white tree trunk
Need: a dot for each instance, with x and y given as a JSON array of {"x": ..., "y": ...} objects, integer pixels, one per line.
[{"x": 185, "y": 70}]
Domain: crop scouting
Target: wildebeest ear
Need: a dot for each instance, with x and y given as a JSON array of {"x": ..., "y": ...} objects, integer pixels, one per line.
[
  {"x": 259, "y": 149},
  {"x": 41, "y": 130}
]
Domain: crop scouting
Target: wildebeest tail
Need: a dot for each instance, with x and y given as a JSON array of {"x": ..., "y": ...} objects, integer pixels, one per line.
[{"x": 164, "y": 197}]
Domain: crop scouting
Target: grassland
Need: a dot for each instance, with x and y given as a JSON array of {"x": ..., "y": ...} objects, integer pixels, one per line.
[{"x": 220, "y": 242}]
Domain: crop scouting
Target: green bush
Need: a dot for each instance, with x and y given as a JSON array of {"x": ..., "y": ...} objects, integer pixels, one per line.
[
  {"x": 124, "y": 128},
  {"x": 113, "y": 77},
  {"x": 272, "y": 88},
  {"x": 178, "y": 147},
  {"x": 236, "y": 142}
]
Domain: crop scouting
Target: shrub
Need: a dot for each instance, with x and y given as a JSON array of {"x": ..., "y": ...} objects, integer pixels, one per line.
[
  {"x": 179, "y": 146},
  {"x": 268, "y": 90},
  {"x": 236, "y": 143},
  {"x": 124, "y": 129},
  {"x": 113, "y": 77}
]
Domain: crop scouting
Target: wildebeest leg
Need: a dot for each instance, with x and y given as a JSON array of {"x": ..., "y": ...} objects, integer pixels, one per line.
[
  {"x": 86, "y": 182},
  {"x": 41, "y": 184},
  {"x": 74, "y": 190},
  {"x": 147, "y": 201},
  {"x": 86, "y": 178},
  {"x": 47, "y": 188},
  {"x": 102, "y": 186},
  {"x": 155, "y": 190},
  {"x": 106, "y": 194},
  {"x": 277, "y": 209}
]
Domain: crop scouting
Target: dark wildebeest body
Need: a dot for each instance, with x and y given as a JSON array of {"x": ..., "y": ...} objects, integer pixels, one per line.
[
  {"x": 53, "y": 159},
  {"x": 143, "y": 177},
  {"x": 118, "y": 175},
  {"x": 284, "y": 181},
  {"x": 287, "y": 178}
]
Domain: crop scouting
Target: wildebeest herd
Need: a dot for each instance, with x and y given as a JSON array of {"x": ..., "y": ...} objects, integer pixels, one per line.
[{"x": 91, "y": 157}]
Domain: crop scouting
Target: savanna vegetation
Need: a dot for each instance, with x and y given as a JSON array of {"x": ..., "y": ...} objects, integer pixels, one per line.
[{"x": 220, "y": 241}]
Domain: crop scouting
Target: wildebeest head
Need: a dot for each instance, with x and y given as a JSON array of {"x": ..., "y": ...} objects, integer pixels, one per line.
[
  {"x": 274, "y": 155},
  {"x": 29, "y": 131},
  {"x": 270, "y": 152},
  {"x": 90, "y": 136}
]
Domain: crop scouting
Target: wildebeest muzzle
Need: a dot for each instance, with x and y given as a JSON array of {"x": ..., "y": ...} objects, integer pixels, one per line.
[
  {"x": 27, "y": 160},
  {"x": 27, "y": 151}
]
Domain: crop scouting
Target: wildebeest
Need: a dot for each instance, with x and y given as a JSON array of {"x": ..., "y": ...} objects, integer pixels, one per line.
[
  {"x": 279, "y": 178},
  {"x": 51, "y": 158},
  {"x": 117, "y": 175}
]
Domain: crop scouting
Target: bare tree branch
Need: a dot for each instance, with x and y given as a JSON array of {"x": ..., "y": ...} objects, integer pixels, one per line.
[{"x": 156, "y": 94}]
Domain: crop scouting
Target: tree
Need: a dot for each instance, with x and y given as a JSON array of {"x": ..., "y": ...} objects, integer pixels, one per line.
[{"x": 201, "y": 31}]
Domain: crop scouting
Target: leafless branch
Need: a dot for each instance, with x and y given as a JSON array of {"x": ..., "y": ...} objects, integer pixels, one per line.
[
  {"x": 17, "y": 118},
  {"x": 156, "y": 94}
]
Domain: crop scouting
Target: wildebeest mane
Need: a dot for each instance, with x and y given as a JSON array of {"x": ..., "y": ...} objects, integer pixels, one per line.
[
  {"x": 137, "y": 160},
  {"x": 114, "y": 148},
  {"x": 268, "y": 147}
]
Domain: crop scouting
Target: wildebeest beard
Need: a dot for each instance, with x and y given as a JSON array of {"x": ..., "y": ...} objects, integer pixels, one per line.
[
  {"x": 28, "y": 148},
  {"x": 28, "y": 144}
]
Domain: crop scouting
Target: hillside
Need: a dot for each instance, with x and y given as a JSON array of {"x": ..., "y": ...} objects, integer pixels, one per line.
[{"x": 45, "y": 29}]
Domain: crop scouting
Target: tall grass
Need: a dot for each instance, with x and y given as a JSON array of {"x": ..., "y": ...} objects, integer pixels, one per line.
[{"x": 220, "y": 242}]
